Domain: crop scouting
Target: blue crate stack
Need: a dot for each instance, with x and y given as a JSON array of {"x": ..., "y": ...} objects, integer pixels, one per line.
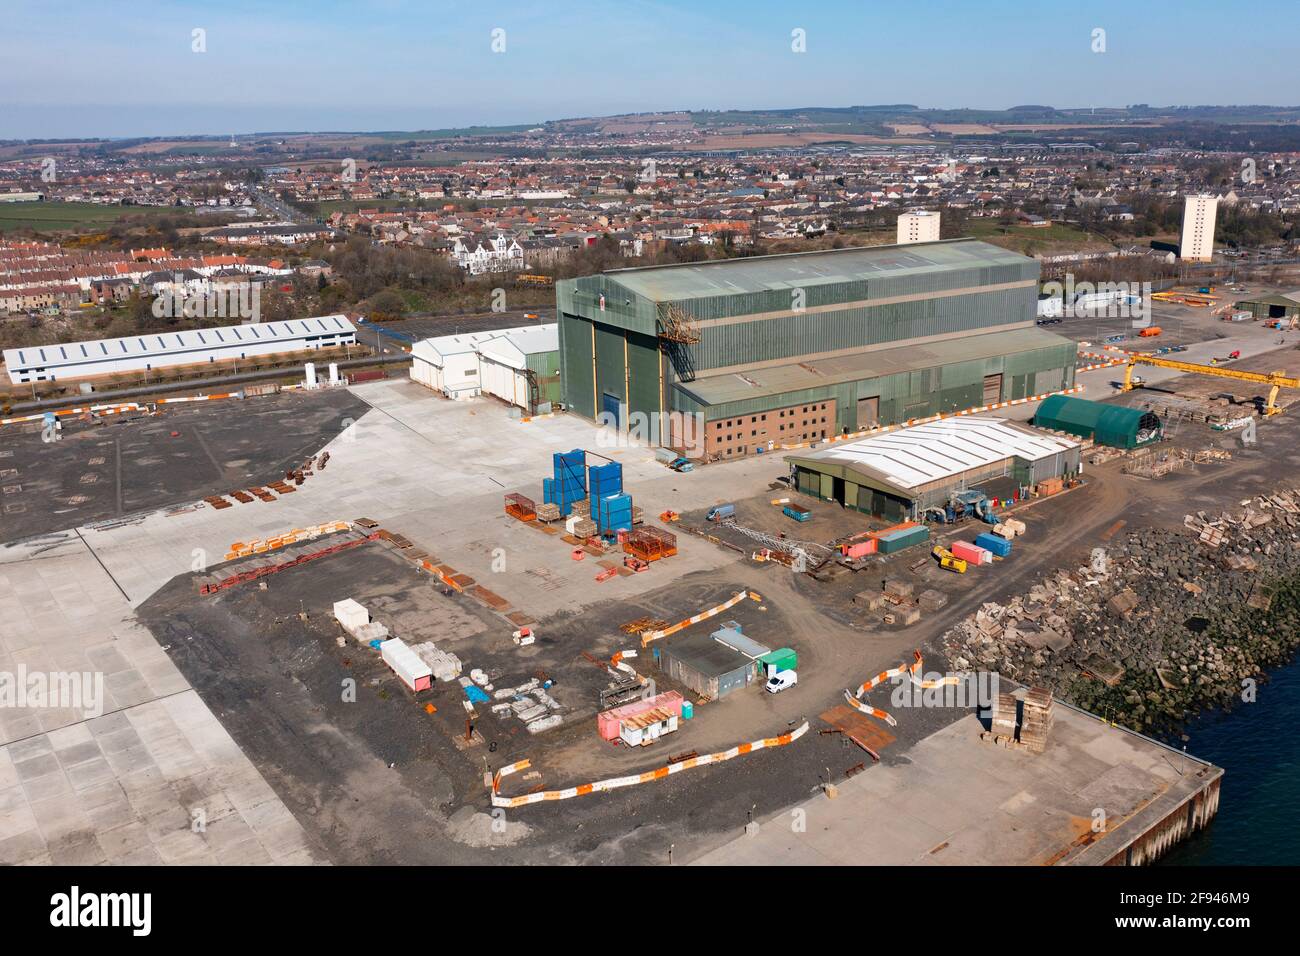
[
  {"x": 613, "y": 513},
  {"x": 570, "y": 481},
  {"x": 606, "y": 480}
]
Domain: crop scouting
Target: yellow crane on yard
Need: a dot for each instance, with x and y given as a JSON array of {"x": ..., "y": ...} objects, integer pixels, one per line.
[{"x": 1275, "y": 380}]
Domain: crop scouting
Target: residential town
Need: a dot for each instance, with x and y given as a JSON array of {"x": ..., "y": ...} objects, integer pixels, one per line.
[{"x": 532, "y": 216}]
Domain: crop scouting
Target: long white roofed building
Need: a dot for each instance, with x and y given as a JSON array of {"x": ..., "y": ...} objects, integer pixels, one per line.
[{"x": 78, "y": 361}]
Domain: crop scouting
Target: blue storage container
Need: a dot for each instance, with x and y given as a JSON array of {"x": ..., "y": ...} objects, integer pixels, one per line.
[
  {"x": 606, "y": 479},
  {"x": 995, "y": 543},
  {"x": 614, "y": 513}
]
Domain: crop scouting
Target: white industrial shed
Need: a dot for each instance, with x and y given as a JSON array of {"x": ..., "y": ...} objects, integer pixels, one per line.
[
  {"x": 154, "y": 350},
  {"x": 504, "y": 361},
  {"x": 496, "y": 362},
  {"x": 448, "y": 363},
  {"x": 919, "y": 466}
]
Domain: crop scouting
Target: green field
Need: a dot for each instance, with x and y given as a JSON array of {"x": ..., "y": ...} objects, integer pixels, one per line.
[
  {"x": 1024, "y": 239},
  {"x": 60, "y": 216}
]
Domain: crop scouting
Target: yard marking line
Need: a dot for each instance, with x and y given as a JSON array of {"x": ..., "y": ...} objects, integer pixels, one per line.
[
  {"x": 101, "y": 564},
  {"x": 198, "y": 435},
  {"x": 117, "y": 471},
  {"x": 632, "y": 780}
]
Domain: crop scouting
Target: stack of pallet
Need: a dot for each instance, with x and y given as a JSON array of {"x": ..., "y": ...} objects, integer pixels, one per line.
[
  {"x": 1038, "y": 719},
  {"x": 1003, "y": 722}
]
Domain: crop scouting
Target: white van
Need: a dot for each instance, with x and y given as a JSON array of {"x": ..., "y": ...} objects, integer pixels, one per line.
[{"x": 780, "y": 681}]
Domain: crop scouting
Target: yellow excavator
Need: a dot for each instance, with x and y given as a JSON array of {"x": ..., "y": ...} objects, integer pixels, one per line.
[
  {"x": 1275, "y": 380},
  {"x": 949, "y": 561}
]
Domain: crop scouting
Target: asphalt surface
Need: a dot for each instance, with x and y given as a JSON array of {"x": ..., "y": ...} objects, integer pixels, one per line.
[
  {"x": 424, "y": 327},
  {"x": 127, "y": 464}
]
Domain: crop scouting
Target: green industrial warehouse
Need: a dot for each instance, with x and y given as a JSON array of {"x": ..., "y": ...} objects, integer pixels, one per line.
[{"x": 775, "y": 350}]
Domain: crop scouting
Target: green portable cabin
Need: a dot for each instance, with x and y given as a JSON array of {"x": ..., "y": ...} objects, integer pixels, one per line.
[
  {"x": 1114, "y": 425},
  {"x": 781, "y": 659}
]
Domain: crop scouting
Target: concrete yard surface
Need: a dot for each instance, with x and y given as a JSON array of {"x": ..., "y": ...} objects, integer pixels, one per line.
[
  {"x": 955, "y": 799},
  {"x": 140, "y": 773}
]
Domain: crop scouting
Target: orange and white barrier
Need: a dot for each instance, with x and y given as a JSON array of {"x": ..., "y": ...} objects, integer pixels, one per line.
[
  {"x": 616, "y": 783},
  {"x": 195, "y": 398},
  {"x": 735, "y": 599},
  {"x": 244, "y": 549},
  {"x": 901, "y": 669},
  {"x": 80, "y": 410},
  {"x": 116, "y": 409}
]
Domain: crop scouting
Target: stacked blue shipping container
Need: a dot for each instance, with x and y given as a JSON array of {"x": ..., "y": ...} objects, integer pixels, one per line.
[
  {"x": 570, "y": 481},
  {"x": 610, "y": 508},
  {"x": 613, "y": 513},
  {"x": 606, "y": 480}
]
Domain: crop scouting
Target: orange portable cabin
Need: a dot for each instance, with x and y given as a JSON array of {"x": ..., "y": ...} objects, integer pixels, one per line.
[{"x": 1151, "y": 331}]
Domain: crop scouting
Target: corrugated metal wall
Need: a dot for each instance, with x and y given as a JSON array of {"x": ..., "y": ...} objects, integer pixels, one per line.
[
  {"x": 576, "y": 358},
  {"x": 817, "y": 332},
  {"x": 545, "y": 366},
  {"x": 913, "y": 394}
]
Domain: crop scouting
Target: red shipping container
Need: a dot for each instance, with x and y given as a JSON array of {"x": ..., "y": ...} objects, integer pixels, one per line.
[
  {"x": 610, "y": 722},
  {"x": 971, "y": 554},
  {"x": 859, "y": 548}
]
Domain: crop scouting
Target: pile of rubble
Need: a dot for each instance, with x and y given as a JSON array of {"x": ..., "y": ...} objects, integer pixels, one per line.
[
  {"x": 530, "y": 702},
  {"x": 1158, "y": 625}
]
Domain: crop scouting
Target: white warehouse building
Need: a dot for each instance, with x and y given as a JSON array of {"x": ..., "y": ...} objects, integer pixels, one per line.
[
  {"x": 520, "y": 366},
  {"x": 75, "y": 361}
]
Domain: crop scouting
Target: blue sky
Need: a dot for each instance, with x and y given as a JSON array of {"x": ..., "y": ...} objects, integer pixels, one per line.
[{"x": 82, "y": 68}]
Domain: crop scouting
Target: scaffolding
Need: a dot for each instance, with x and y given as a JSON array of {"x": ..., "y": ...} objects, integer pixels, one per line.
[
  {"x": 677, "y": 325},
  {"x": 678, "y": 330}
]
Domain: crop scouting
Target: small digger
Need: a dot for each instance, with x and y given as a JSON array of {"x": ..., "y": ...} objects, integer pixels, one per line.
[{"x": 949, "y": 561}]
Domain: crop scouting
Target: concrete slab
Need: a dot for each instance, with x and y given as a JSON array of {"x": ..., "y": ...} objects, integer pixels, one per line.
[
  {"x": 119, "y": 779},
  {"x": 957, "y": 800}
]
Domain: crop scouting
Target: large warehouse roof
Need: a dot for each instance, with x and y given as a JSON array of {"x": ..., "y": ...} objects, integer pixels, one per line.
[
  {"x": 804, "y": 269},
  {"x": 152, "y": 346},
  {"x": 911, "y": 457},
  {"x": 813, "y": 373}
]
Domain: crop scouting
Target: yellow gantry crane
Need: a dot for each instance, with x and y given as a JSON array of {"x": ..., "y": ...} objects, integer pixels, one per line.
[{"x": 1275, "y": 380}]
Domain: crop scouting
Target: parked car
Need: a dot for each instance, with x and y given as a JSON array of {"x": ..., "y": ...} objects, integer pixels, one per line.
[{"x": 780, "y": 681}]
